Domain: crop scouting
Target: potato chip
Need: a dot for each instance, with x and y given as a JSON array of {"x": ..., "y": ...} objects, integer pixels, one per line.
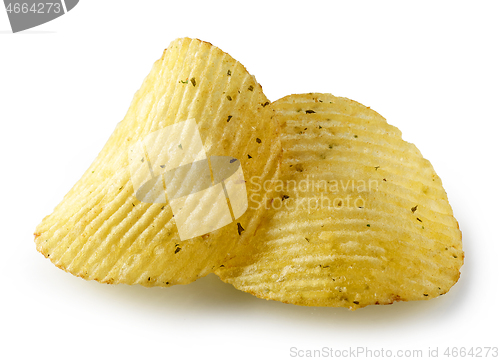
[
  {"x": 164, "y": 202},
  {"x": 360, "y": 218}
]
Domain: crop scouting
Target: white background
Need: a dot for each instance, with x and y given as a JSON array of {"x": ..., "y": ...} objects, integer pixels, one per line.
[{"x": 430, "y": 68}]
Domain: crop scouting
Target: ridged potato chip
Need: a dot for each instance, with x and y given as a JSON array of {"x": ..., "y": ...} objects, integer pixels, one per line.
[
  {"x": 102, "y": 231},
  {"x": 360, "y": 218}
]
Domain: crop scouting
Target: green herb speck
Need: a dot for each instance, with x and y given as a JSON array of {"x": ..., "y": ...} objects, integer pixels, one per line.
[{"x": 240, "y": 229}]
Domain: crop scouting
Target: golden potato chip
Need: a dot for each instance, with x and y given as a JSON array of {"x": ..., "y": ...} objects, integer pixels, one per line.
[
  {"x": 165, "y": 200},
  {"x": 360, "y": 218}
]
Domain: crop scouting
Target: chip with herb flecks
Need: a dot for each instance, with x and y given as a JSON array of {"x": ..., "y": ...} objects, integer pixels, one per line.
[
  {"x": 360, "y": 217},
  {"x": 109, "y": 230}
]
